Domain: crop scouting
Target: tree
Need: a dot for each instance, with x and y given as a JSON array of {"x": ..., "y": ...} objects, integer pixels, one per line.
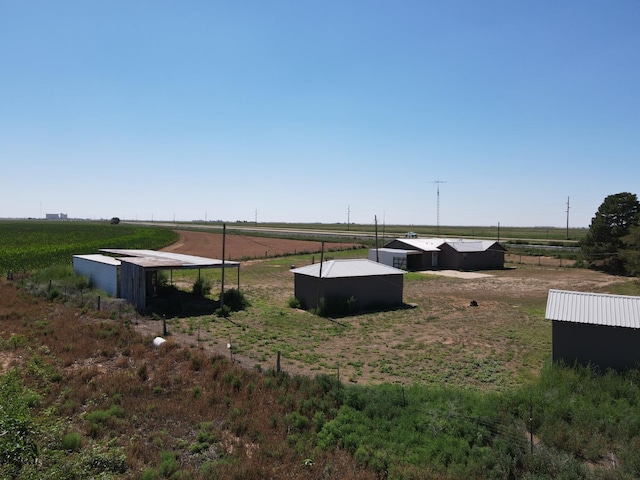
[
  {"x": 630, "y": 254},
  {"x": 613, "y": 220}
]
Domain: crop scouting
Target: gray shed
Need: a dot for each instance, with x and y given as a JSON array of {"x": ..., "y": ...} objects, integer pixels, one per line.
[
  {"x": 593, "y": 328},
  {"x": 371, "y": 283}
]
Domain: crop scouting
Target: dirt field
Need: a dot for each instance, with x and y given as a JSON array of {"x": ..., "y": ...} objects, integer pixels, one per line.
[{"x": 242, "y": 247}]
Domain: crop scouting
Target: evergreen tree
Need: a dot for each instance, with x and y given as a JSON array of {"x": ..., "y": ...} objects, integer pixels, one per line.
[
  {"x": 630, "y": 254},
  {"x": 613, "y": 220}
]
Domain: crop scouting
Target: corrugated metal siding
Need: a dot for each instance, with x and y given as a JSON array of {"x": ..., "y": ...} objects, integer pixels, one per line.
[
  {"x": 593, "y": 308},
  {"x": 101, "y": 270}
]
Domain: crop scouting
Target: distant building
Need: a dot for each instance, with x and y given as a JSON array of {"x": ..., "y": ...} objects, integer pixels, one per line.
[
  {"x": 415, "y": 254},
  {"x": 56, "y": 216}
]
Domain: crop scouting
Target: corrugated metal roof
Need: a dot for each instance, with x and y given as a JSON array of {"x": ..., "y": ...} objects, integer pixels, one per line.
[
  {"x": 461, "y": 245},
  {"x": 100, "y": 259},
  {"x": 348, "y": 268},
  {"x": 425, "y": 244},
  {"x": 395, "y": 250},
  {"x": 593, "y": 308},
  {"x": 155, "y": 259}
]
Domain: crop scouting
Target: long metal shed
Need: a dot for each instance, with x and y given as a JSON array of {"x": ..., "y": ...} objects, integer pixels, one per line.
[
  {"x": 594, "y": 328},
  {"x": 138, "y": 270}
]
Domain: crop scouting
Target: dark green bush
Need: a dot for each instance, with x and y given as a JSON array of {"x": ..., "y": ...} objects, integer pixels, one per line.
[
  {"x": 293, "y": 302},
  {"x": 71, "y": 441},
  {"x": 235, "y": 300},
  {"x": 336, "y": 306},
  {"x": 201, "y": 287}
]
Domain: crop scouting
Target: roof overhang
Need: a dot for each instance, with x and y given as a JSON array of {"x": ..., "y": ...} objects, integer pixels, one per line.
[{"x": 151, "y": 259}]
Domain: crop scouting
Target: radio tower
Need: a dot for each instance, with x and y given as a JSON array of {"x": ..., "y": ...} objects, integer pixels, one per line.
[{"x": 438, "y": 182}]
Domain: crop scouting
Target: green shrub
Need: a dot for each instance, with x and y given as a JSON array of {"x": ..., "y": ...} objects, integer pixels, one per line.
[
  {"x": 71, "y": 441},
  {"x": 201, "y": 287},
  {"x": 169, "y": 464},
  {"x": 294, "y": 302},
  {"x": 336, "y": 306},
  {"x": 18, "y": 438},
  {"x": 235, "y": 300}
]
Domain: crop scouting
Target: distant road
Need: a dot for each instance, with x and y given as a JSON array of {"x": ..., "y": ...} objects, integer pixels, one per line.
[
  {"x": 319, "y": 232},
  {"x": 273, "y": 230}
]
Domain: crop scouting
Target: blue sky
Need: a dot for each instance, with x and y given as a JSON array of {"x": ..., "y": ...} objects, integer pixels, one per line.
[{"x": 319, "y": 111}]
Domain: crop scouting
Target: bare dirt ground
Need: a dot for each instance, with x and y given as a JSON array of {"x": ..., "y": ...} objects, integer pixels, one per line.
[{"x": 242, "y": 247}]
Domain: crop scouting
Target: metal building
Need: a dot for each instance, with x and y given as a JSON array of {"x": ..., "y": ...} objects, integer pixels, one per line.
[
  {"x": 451, "y": 254},
  {"x": 593, "y": 328},
  {"x": 102, "y": 271},
  {"x": 132, "y": 274},
  {"x": 371, "y": 283},
  {"x": 139, "y": 270}
]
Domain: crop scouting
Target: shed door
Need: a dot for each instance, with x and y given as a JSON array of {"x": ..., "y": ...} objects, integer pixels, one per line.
[{"x": 434, "y": 259}]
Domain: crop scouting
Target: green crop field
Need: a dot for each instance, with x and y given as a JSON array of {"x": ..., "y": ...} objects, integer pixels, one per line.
[{"x": 31, "y": 244}]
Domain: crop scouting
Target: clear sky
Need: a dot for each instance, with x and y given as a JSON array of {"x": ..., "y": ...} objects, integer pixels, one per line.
[{"x": 319, "y": 111}]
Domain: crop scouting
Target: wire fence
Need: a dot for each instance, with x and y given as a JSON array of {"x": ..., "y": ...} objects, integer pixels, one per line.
[{"x": 539, "y": 261}]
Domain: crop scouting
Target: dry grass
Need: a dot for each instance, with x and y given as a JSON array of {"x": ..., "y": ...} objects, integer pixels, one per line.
[{"x": 107, "y": 382}]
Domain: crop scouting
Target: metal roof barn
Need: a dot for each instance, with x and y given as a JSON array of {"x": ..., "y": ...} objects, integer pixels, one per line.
[
  {"x": 594, "y": 328},
  {"x": 139, "y": 268},
  {"x": 372, "y": 284}
]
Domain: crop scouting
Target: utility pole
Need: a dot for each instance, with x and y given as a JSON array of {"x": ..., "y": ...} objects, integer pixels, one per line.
[
  {"x": 224, "y": 238},
  {"x": 348, "y": 217},
  {"x": 375, "y": 218},
  {"x": 567, "y": 218},
  {"x": 438, "y": 182}
]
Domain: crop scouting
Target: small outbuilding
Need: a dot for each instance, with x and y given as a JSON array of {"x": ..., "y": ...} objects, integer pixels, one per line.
[
  {"x": 133, "y": 274},
  {"x": 450, "y": 254},
  {"x": 371, "y": 284},
  {"x": 102, "y": 271},
  {"x": 597, "y": 329}
]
